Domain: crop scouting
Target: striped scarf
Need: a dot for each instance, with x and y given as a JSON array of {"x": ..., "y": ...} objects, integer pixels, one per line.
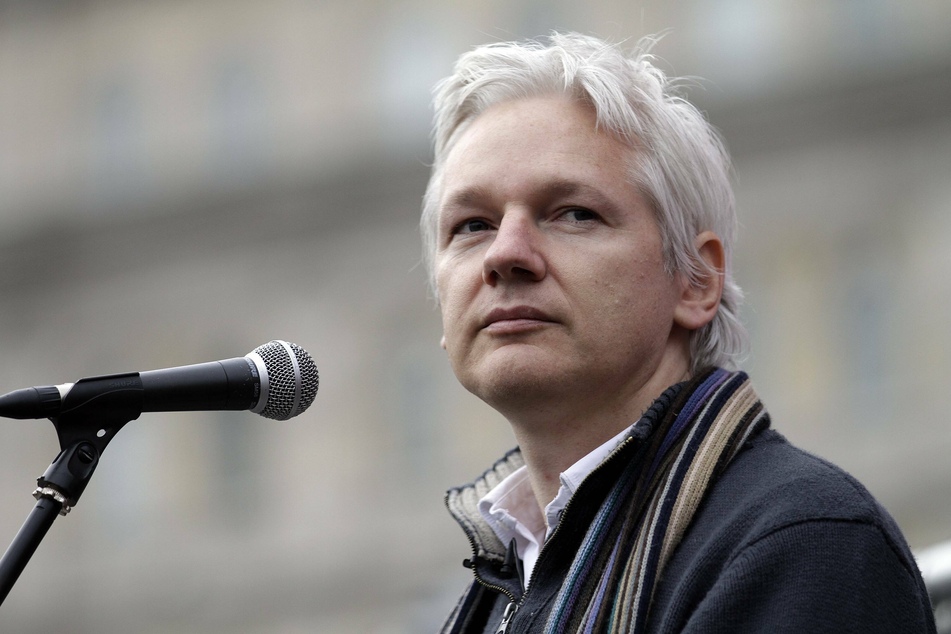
[{"x": 610, "y": 584}]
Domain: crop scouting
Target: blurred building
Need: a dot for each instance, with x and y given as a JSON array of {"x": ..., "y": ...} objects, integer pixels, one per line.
[{"x": 181, "y": 181}]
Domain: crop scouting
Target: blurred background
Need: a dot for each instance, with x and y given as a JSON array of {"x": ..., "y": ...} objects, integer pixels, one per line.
[{"x": 183, "y": 180}]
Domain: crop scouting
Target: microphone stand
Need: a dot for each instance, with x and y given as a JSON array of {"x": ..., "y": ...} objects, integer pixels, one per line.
[{"x": 83, "y": 431}]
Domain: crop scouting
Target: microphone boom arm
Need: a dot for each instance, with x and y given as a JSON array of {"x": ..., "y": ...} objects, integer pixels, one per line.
[{"x": 83, "y": 433}]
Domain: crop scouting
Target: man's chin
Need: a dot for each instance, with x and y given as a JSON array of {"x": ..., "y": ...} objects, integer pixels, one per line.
[{"x": 513, "y": 377}]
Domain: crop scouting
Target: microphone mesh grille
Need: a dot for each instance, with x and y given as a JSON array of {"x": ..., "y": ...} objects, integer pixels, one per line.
[{"x": 284, "y": 381}]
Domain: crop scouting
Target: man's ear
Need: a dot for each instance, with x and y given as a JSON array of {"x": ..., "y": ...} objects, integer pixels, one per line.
[{"x": 700, "y": 300}]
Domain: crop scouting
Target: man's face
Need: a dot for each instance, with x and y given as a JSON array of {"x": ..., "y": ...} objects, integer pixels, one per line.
[{"x": 549, "y": 264}]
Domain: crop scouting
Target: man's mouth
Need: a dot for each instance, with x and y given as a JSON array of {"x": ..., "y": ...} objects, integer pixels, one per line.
[{"x": 515, "y": 320}]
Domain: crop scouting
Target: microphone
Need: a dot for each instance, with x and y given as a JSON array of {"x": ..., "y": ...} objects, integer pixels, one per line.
[{"x": 277, "y": 380}]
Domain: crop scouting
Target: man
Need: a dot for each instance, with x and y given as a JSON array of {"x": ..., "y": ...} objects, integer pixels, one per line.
[{"x": 578, "y": 226}]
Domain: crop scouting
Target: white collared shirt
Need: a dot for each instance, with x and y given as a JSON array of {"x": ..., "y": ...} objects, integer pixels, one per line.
[{"x": 512, "y": 511}]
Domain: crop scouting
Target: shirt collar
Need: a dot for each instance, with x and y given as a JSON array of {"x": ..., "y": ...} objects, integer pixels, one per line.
[{"x": 511, "y": 509}]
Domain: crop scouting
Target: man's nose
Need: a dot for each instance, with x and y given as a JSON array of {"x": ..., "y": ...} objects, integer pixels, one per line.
[{"x": 516, "y": 250}]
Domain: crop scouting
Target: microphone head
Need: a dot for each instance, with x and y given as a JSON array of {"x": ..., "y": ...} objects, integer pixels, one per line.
[{"x": 289, "y": 379}]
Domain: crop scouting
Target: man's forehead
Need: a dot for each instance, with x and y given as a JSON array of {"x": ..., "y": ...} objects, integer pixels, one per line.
[{"x": 542, "y": 118}]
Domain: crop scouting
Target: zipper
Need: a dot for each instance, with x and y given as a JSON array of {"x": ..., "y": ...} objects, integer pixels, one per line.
[
  {"x": 513, "y": 605},
  {"x": 510, "y": 611}
]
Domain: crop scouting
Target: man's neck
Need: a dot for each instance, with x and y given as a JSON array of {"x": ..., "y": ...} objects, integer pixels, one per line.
[{"x": 551, "y": 446}]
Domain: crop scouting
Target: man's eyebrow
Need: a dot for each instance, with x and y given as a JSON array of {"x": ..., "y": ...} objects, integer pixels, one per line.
[
  {"x": 561, "y": 188},
  {"x": 568, "y": 188},
  {"x": 468, "y": 197},
  {"x": 565, "y": 188}
]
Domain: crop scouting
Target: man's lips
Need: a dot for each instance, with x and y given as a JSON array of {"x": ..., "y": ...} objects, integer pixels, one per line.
[{"x": 515, "y": 319}]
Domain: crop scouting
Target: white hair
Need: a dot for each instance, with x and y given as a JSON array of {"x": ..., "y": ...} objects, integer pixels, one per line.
[{"x": 680, "y": 166}]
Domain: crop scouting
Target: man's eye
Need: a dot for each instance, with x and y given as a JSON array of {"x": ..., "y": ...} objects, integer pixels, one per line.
[
  {"x": 579, "y": 214},
  {"x": 472, "y": 225}
]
